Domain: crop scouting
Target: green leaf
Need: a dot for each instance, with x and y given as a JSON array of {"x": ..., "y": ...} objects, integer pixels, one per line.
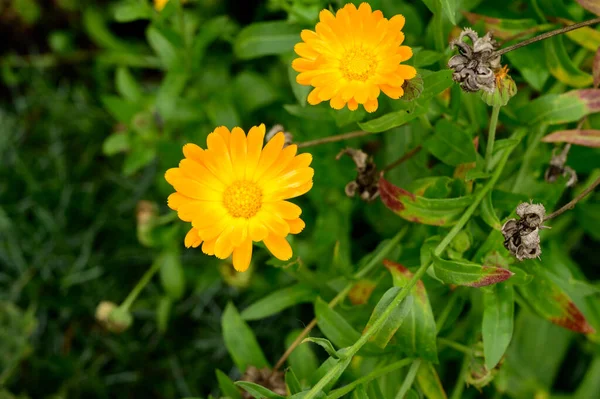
[
  {"x": 126, "y": 85},
  {"x": 314, "y": 113},
  {"x": 171, "y": 274},
  {"x": 506, "y": 28},
  {"x": 429, "y": 382},
  {"x": 164, "y": 46},
  {"x": 163, "y": 311},
  {"x": 303, "y": 360},
  {"x": 115, "y": 143},
  {"x": 531, "y": 64},
  {"x": 138, "y": 157},
  {"x": 169, "y": 93},
  {"x": 227, "y": 387},
  {"x": 555, "y": 109},
  {"x": 414, "y": 208},
  {"x": 488, "y": 214},
  {"x": 278, "y": 301},
  {"x": 240, "y": 341},
  {"x": 258, "y": 391},
  {"x": 325, "y": 344},
  {"x": 450, "y": 8},
  {"x": 451, "y": 144},
  {"x": 292, "y": 381},
  {"x": 467, "y": 273},
  {"x": 253, "y": 91},
  {"x": 132, "y": 11},
  {"x": 416, "y": 337},
  {"x": 498, "y": 322},
  {"x": 392, "y": 120},
  {"x": 266, "y": 38},
  {"x": 382, "y": 337},
  {"x": 98, "y": 31},
  {"x": 586, "y": 37},
  {"x": 551, "y": 302},
  {"x": 434, "y": 83},
  {"x": 120, "y": 109},
  {"x": 586, "y": 138},
  {"x": 423, "y": 58},
  {"x": 334, "y": 326},
  {"x": 344, "y": 116},
  {"x": 221, "y": 27},
  {"x": 560, "y": 64},
  {"x": 360, "y": 392}
]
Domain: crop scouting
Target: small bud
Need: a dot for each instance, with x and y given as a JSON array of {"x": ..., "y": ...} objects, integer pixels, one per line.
[
  {"x": 479, "y": 376},
  {"x": 112, "y": 317},
  {"x": 558, "y": 167},
  {"x": 272, "y": 380},
  {"x": 365, "y": 184},
  {"x": 521, "y": 237},
  {"x": 233, "y": 278},
  {"x": 146, "y": 213},
  {"x": 475, "y": 63},
  {"x": 279, "y": 128},
  {"x": 504, "y": 91}
]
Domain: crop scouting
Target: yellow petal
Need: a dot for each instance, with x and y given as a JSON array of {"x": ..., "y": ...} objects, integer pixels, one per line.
[
  {"x": 284, "y": 209},
  {"x": 278, "y": 246},
  {"x": 238, "y": 147},
  {"x": 296, "y": 225},
  {"x": 192, "y": 151},
  {"x": 371, "y": 105},
  {"x": 256, "y": 230},
  {"x": 223, "y": 132},
  {"x": 201, "y": 174},
  {"x": 242, "y": 256},
  {"x": 175, "y": 200},
  {"x": 173, "y": 174},
  {"x": 224, "y": 244},
  {"x": 256, "y": 138},
  {"x": 209, "y": 247},
  {"x": 192, "y": 239},
  {"x": 274, "y": 223},
  {"x": 220, "y": 151},
  {"x": 286, "y": 156},
  {"x": 193, "y": 189},
  {"x": 269, "y": 155}
]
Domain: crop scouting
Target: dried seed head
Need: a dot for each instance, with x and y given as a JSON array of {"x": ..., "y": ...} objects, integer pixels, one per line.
[
  {"x": 365, "y": 184},
  {"x": 112, "y": 317},
  {"x": 475, "y": 63},
  {"x": 273, "y": 380},
  {"x": 289, "y": 138},
  {"x": 521, "y": 236},
  {"x": 558, "y": 167}
]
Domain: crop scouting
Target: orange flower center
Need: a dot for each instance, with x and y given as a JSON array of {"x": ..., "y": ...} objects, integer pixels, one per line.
[
  {"x": 358, "y": 64},
  {"x": 243, "y": 199}
]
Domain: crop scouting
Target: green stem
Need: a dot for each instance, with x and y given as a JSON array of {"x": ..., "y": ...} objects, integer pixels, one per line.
[
  {"x": 460, "y": 381},
  {"x": 527, "y": 158},
  {"x": 184, "y": 36},
  {"x": 140, "y": 286},
  {"x": 439, "y": 323},
  {"x": 455, "y": 345},
  {"x": 408, "y": 381},
  {"x": 489, "y": 152},
  {"x": 340, "y": 392},
  {"x": 352, "y": 350}
]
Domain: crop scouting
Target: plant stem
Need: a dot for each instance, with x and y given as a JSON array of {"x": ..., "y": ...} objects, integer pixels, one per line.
[
  {"x": 489, "y": 152},
  {"x": 408, "y": 381},
  {"x": 332, "y": 139},
  {"x": 403, "y": 158},
  {"x": 455, "y": 345},
  {"x": 340, "y": 392},
  {"x": 547, "y": 35},
  {"x": 571, "y": 204},
  {"x": 439, "y": 323},
  {"x": 375, "y": 260},
  {"x": 460, "y": 381},
  {"x": 140, "y": 286}
]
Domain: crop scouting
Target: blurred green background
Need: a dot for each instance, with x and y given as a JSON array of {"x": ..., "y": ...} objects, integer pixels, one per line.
[{"x": 97, "y": 99}]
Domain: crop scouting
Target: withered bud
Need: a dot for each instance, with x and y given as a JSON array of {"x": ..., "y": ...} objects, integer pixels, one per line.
[
  {"x": 521, "y": 236},
  {"x": 289, "y": 138},
  {"x": 273, "y": 380},
  {"x": 367, "y": 177},
  {"x": 113, "y": 318},
  {"x": 146, "y": 213},
  {"x": 475, "y": 63},
  {"x": 558, "y": 167},
  {"x": 479, "y": 376}
]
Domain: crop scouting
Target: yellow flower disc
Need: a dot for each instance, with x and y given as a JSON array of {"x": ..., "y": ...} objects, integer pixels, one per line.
[
  {"x": 353, "y": 56},
  {"x": 234, "y": 193}
]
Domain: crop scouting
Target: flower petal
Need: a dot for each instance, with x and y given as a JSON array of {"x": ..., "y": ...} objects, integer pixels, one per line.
[
  {"x": 255, "y": 139},
  {"x": 296, "y": 225},
  {"x": 238, "y": 147},
  {"x": 242, "y": 256},
  {"x": 192, "y": 239},
  {"x": 278, "y": 246}
]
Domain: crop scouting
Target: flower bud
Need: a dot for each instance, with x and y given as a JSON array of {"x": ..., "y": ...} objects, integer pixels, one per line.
[
  {"x": 505, "y": 89},
  {"x": 479, "y": 376},
  {"x": 112, "y": 317},
  {"x": 146, "y": 213}
]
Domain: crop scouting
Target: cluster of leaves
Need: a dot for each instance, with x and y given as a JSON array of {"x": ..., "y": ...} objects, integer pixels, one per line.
[{"x": 101, "y": 99}]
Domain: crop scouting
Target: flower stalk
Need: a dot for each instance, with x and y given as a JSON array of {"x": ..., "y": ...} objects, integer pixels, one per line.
[{"x": 489, "y": 152}]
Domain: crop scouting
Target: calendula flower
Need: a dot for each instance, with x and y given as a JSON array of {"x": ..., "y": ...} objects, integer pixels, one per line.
[
  {"x": 353, "y": 56},
  {"x": 234, "y": 193},
  {"x": 160, "y": 4}
]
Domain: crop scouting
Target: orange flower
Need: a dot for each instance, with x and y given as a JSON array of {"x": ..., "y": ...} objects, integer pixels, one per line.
[
  {"x": 160, "y": 4},
  {"x": 235, "y": 193},
  {"x": 353, "y": 56}
]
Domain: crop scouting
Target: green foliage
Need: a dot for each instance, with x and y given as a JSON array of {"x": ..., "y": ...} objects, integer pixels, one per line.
[{"x": 98, "y": 100}]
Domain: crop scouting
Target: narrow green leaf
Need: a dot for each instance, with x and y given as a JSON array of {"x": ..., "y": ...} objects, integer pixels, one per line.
[
  {"x": 450, "y": 7},
  {"x": 382, "y": 337},
  {"x": 313, "y": 113},
  {"x": 429, "y": 382},
  {"x": 586, "y": 37},
  {"x": 451, "y": 144},
  {"x": 585, "y": 138},
  {"x": 423, "y": 58},
  {"x": 325, "y": 344},
  {"x": 171, "y": 274},
  {"x": 360, "y": 392},
  {"x": 137, "y": 158},
  {"x": 120, "y": 109},
  {"x": 292, "y": 381},
  {"x": 127, "y": 85},
  {"x": 253, "y": 91},
  {"x": 555, "y": 109},
  {"x": 163, "y": 311},
  {"x": 488, "y": 214},
  {"x": 560, "y": 64},
  {"x": 498, "y": 322},
  {"x": 98, "y": 31},
  {"x": 467, "y": 273},
  {"x": 115, "y": 143},
  {"x": 303, "y": 359},
  {"x": 258, "y": 391},
  {"x": 334, "y": 326},
  {"x": 169, "y": 93},
  {"x": 506, "y": 28},
  {"x": 531, "y": 64},
  {"x": 392, "y": 120},
  {"x": 435, "y": 83},
  {"x": 278, "y": 301},
  {"x": 266, "y": 38},
  {"x": 227, "y": 387},
  {"x": 240, "y": 341},
  {"x": 164, "y": 47},
  {"x": 132, "y": 11},
  {"x": 221, "y": 27}
]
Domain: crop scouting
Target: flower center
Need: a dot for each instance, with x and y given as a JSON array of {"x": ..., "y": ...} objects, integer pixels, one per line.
[
  {"x": 242, "y": 199},
  {"x": 358, "y": 64}
]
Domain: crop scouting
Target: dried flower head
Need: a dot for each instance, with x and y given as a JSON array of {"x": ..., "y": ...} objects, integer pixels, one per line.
[
  {"x": 478, "y": 375},
  {"x": 289, "y": 138},
  {"x": 235, "y": 193},
  {"x": 367, "y": 177},
  {"x": 352, "y": 56},
  {"x": 521, "y": 236},
  {"x": 273, "y": 380},
  {"x": 475, "y": 64},
  {"x": 558, "y": 167},
  {"x": 112, "y": 317}
]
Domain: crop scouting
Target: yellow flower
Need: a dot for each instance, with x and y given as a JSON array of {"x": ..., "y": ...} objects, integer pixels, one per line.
[
  {"x": 353, "y": 56},
  {"x": 235, "y": 193},
  {"x": 160, "y": 4}
]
